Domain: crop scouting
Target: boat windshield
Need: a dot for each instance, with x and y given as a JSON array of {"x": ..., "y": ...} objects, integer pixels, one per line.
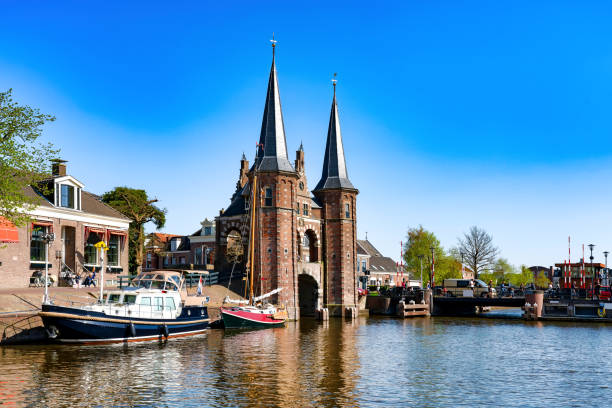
[{"x": 157, "y": 281}]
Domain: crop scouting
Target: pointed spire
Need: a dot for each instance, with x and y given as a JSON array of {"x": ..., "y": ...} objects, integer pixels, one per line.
[
  {"x": 272, "y": 148},
  {"x": 334, "y": 165},
  {"x": 301, "y": 149},
  {"x": 243, "y": 156}
]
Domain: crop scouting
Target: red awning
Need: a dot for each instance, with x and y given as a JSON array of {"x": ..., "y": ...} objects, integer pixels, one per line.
[
  {"x": 117, "y": 232},
  {"x": 8, "y": 231}
]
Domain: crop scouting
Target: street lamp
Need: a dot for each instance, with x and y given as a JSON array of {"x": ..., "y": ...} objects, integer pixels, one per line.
[
  {"x": 462, "y": 256},
  {"x": 421, "y": 261},
  {"x": 433, "y": 267},
  {"x": 607, "y": 272},
  {"x": 48, "y": 239},
  {"x": 591, "y": 246}
]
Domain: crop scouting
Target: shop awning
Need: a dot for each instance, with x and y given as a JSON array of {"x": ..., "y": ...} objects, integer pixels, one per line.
[
  {"x": 117, "y": 232},
  {"x": 8, "y": 231}
]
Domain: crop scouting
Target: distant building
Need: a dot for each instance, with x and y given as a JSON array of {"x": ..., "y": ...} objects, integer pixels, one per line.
[
  {"x": 195, "y": 251},
  {"x": 598, "y": 270},
  {"x": 78, "y": 219},
  {"x": 378, "y": 268}
]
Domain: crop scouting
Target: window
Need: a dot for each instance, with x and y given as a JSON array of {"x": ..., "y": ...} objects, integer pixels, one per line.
[
  {"x": 182, "y": 260},
  {"x": 268, "y": 197},
  {"x": 112, "y": 255},
  {"x": 363, "y": 266},
  {"x": 67, "y": 196},
  {"x": 159, "y": 303},
  {"x": 38, "y": 249},
  {"x": 208, "y": 230},
  {"x": 347, "y": 210},
  {"x": 305, "y": 209},
  {"x": 91, "y": 252},
  {"x": 129, "y": 299},
  {"x": 114, "y": 298},
  {"x": 198, "y": 256},
  {"x": 170, "y": 303},
  {"x": 297, "y": 208},
  {"x": 165, "y": 261},
  {"x": 145, "y": 301}
]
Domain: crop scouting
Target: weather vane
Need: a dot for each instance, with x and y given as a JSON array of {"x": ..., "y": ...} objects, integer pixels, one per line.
[
  {"x": 273, "y": 41},
  {"x": 334, "y": 80}
]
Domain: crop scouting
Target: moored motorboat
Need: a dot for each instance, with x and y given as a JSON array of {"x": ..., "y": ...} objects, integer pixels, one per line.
[{"x": 154, "y": 307}]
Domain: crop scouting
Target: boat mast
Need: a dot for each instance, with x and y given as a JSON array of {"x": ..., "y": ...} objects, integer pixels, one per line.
[{"x": 252, "y": 237}]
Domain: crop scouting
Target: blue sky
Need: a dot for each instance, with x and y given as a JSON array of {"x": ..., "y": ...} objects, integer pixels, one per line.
[{"x": 453, "y": 114}]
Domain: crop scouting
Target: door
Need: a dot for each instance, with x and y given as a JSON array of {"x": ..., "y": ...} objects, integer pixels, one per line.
[{"x": 68, "y": 249}]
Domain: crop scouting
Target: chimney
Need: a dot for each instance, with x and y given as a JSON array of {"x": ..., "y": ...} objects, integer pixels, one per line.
[{"x": 58, "y": 167}]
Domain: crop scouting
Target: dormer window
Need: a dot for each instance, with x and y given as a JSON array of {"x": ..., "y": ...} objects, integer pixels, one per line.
[
  {"x": 207, "y": 231},
  {"x": 68, "y": 193},
  {"x": 67, "y": 196}
]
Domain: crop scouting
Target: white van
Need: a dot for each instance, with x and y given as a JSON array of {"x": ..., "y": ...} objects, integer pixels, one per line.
[{"x": 462, "y": 287}]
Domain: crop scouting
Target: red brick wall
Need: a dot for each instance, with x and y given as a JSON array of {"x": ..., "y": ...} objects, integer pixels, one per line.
[{"x": 339, "y": 250}]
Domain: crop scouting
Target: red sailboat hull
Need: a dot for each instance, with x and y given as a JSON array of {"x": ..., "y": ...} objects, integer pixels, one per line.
[{"x": 241, "y": 318}]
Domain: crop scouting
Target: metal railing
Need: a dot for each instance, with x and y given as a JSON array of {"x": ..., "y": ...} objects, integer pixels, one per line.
[{"x": 20, "y": 326}]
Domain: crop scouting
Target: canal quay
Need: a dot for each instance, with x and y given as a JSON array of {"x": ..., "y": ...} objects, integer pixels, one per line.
[{"x": 369, "y": 362}]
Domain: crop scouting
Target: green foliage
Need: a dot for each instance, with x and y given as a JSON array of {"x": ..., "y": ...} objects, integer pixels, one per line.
[
  {"x": 542, "y": 281},
  {"x": 419, "y": 242},
  {"x": 501, "y": 269},
  {"x": 524, "y": 278},
  {"x": 23, "y": 160},
  {"x": 136, "y": 205}
]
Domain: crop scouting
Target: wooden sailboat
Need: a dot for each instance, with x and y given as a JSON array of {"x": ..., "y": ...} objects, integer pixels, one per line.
[{"x": 254, "y": 312}]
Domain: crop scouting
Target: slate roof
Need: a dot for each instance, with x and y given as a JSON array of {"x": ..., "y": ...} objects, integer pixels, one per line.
[
  {"x": 382, "y": 264},
  {"x": 272, "y": 151},
  {"x": 368, "y": 248},
  {"x": 334, "y": 164},
  {"x": 90, "y": 203}
]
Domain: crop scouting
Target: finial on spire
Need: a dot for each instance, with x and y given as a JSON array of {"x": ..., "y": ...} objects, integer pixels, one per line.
[
  {"x": 243, "y": 156},
  {"x": 334, "y": 81},
  {"x": 273, "y": 41}
]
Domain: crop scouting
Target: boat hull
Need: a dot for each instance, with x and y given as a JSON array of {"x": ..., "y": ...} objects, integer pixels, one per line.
[
  {"x": 237, "y": 319},
  {"x": 73, "y": 325}
]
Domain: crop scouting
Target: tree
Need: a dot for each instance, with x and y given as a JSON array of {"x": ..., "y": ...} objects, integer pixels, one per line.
[
  {"x": 419, "y": 242},
  {"x": 478, "y": 250},
  {"x": 136, "y": 205},
  {"x": 523, "y": 278},
  {"x": 542, "y": 281},
  {"x": 501, "y": 268},
  {"x": 23, "y": 160}
]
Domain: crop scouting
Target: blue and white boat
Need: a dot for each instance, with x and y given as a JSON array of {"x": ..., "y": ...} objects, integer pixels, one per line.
[{"x": 154, "y": 307}]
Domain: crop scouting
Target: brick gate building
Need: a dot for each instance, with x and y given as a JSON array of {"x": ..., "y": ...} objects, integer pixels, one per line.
[{"x": 305, "y": 244}]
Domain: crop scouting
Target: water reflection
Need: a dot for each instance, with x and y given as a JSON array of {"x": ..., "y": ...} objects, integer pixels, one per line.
[{"x": 368, "y": 362}]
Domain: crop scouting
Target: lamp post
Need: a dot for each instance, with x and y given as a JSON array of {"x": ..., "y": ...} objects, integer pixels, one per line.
[
  {"x": 48, "y": 239},
  {"x": 607, "y": 272},
  {"x": 433, "y": 267},
  {"x": 421, "y": 261},
  {"x": 462, "y": 256},
  {"x": 591, "y": 246}
]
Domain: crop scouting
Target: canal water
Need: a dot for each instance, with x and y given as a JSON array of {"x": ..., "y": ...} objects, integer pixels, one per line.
[{"x": 372, "y": 362}]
